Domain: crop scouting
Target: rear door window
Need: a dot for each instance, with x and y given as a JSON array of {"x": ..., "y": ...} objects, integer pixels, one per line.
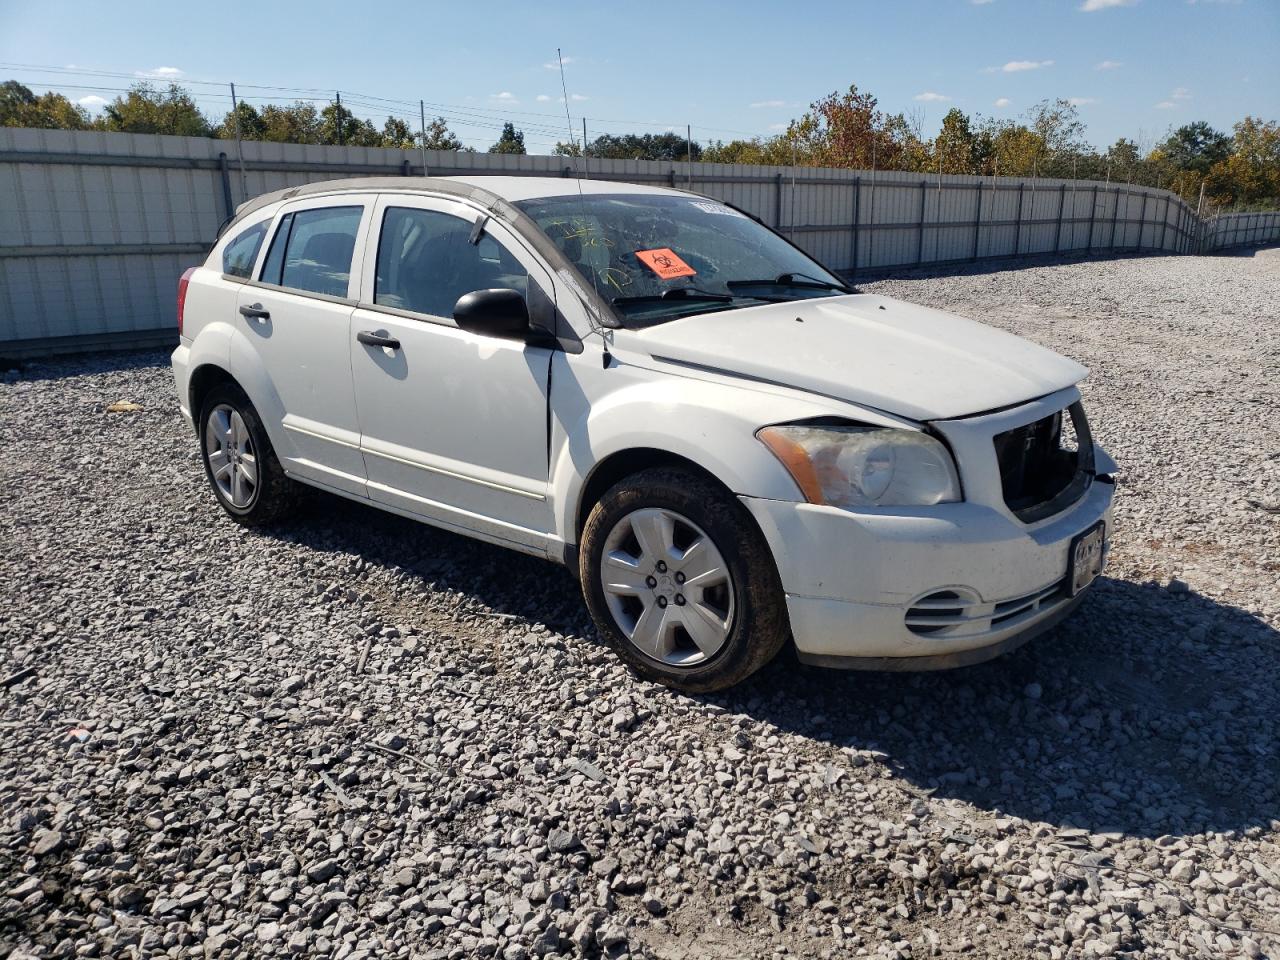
[
  {"x": 312, "y": 250},
  {"x": 239, "y": 255}
]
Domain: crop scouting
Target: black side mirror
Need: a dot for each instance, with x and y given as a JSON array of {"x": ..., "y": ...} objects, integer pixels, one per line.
[{"x": 493, "y": 313}]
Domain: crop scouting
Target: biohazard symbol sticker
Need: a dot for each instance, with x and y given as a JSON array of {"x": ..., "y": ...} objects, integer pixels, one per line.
[{"x": 665, "y": 263}]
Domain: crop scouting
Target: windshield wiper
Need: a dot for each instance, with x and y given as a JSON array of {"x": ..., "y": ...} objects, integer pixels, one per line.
[
  {"x": 790, "y": 280},
  {"x": 676, "y": 293}
]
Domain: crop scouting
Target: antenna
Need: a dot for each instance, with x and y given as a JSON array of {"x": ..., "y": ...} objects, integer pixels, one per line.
[
  {"x": 606, "y": 356},
  {"x": 564, "y": 89}
]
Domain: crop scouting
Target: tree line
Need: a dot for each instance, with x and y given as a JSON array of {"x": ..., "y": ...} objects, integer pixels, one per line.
[
  {"x": 146, "y": 108},
  {"x": 846, "y": 130}
]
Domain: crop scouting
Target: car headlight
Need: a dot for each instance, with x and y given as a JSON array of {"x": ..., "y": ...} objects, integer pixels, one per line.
[{"x": 851, "y": 466}]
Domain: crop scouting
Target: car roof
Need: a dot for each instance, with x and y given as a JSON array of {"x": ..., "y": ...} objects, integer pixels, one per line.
[{"x": 515, "y": 189}]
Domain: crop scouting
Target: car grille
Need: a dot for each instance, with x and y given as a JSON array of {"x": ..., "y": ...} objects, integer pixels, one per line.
[
  {"x": 1047, "y": 465},
  {"x": 953, "y": 614}
]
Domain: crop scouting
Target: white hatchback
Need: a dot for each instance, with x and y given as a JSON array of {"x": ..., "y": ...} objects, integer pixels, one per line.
[{"x": 728, "y": 444}]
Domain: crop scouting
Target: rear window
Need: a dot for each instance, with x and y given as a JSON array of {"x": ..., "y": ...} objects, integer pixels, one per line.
[
  {"x": 239, "y": 255},
  {"x": 312, "y": 250}
]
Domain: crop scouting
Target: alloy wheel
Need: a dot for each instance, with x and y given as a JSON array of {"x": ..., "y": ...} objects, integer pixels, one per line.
[
  {"x": 232, "y": 459},
  {"x": 667, "y": 586}
]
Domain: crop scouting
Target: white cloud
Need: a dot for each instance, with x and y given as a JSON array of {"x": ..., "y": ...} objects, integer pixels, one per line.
[
  {"x": 1081, "y": 101},
  {"x": 1003, "y": 102},
  {"x": 980, "y": 3},
  {"x": 1181, "y": 93},
  {"x": 576, "y": 97},
  {"x": 160, "y": 73},
  {"x": 92, "y": 102},
  {"x": 542, "y": 98},
  {"x": 1018, "y": 66},
  {"x": 506, "y": 96},
  {"x": 930, "y": 97},
  {"x": 1090, "y": 6},
  {"x": 1165, "y": 105},
  {"x": 765, "y": 104},
  {"x": 554, "y": 65},
  {"x": 1109, "y": 65}
]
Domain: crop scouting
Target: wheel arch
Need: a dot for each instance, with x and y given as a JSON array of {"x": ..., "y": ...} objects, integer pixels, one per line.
[{"x": 626, "y": 463}]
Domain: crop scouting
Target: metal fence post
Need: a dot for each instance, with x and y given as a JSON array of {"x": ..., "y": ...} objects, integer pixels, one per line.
[
  {"x": 1062, "y": 203},
  {"x": 777, "y": 205},
  {"x": 1093, "y": 216},
  {"x": 1017, "y": 237},
  {"x": 1164, "y": 222},
  {"x": 857, "y": 203},
  {"x": 977, "y": 223},
  {"x": 924, "y": 193},
  {"x": 1115, "y": 215},
  {"x": 226, "y": 185}
]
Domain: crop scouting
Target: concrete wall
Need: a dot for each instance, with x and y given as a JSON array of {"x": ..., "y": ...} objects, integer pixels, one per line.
[{"x": 95, "y": 228}]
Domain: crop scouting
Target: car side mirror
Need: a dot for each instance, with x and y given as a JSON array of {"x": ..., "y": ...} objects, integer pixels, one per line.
[{"x": 493, "y": 313}]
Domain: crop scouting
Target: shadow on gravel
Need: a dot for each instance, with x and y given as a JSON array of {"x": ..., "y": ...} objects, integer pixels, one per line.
[{"x": 1150, "y": 711}]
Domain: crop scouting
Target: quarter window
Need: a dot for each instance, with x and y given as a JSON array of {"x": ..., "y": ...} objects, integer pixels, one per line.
[
  {"x": 238, "y": 255},
  {"x": 312, "y": 250},
  {"x": 426, "y": 261}
]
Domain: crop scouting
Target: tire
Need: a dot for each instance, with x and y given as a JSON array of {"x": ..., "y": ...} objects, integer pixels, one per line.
[
  {"x": 726, "y": 627},
  {"x": 266, "y": 500}
]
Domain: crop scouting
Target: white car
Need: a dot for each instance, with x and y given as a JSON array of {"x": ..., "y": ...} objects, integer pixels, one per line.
[{"x": 729, "y": 445}]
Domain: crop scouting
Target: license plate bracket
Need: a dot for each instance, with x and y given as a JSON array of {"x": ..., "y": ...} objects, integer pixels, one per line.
[{"x": 1085, "y": 558}]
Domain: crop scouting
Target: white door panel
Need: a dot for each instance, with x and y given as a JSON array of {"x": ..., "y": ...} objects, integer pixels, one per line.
[
  {"x": 453, "y": 426},
  {"x": 304, "y": 343}
]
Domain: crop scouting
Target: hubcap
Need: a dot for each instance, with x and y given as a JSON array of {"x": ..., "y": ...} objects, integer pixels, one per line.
[
  {"x": 232, "y": 460},
  {"x": 667, "y": 586}
]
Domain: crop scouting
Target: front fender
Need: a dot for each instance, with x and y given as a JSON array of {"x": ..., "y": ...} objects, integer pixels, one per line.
[{"x": 711, "y": 424}]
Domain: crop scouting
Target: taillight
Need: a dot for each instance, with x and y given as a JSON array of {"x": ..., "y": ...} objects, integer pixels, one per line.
[{"x": 182, "y": 294}]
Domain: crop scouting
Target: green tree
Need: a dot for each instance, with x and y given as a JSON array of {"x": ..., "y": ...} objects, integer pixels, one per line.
[
  {"x": 396, "y": 133},
  {"x": 295, "y": 123},
  {"x": 251, "y": 124},
  {"x": 511, "y": 141},
  {"x": 1196, "y": 146},
  {"x": 667, "y": 146},
  {"x": 19, "y": 107},
  {"x": 958, "y": 148},
  {"x": 440, "y": 137},
  {"x": 338, "y": 125},
  {"x": 145, "y": 109}
]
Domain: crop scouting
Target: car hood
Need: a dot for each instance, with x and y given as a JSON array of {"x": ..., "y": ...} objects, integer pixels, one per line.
[{"x": 900, "y": 358}]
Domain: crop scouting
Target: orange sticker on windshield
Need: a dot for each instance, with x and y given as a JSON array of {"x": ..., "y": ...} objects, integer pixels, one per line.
[{"x": 665, "y": 263}]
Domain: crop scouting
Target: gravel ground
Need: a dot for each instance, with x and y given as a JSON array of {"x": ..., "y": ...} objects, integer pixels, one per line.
[{"x": 359, "y": 737}]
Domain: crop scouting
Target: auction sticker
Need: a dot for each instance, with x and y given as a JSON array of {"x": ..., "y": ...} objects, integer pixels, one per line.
[{"x": 665, "y": 263}]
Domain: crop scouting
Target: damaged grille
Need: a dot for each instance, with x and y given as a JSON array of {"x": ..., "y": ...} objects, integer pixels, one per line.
[{"x": 1047, "y": 465}]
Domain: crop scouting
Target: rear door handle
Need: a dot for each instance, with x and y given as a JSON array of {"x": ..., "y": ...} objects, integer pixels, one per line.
[
  {"x": 255, "y": 312},
  {"x": 371, "y": 339}
]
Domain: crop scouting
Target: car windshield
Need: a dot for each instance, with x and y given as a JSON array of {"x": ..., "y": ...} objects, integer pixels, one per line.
[{"x": 656, "y": 257}]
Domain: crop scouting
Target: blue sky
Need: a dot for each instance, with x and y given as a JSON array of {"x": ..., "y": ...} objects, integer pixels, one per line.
[{"x": 1135, "y": 67}]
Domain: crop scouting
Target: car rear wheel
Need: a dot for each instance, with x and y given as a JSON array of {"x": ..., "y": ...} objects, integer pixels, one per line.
[
  {"x": 241, "y": 465},
  {"x": 680, "y": 581}
]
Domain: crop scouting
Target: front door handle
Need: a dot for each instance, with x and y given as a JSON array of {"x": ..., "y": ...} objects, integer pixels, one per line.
[
  {"x": 255, "y": 312},
  {"x": 371, "y": 339}
]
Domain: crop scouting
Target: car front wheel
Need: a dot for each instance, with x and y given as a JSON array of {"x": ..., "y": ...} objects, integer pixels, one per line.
[{"x": 680, "y": 581}]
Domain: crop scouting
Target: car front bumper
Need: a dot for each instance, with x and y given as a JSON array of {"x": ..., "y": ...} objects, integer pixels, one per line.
[{"x": 851, "y": 578}]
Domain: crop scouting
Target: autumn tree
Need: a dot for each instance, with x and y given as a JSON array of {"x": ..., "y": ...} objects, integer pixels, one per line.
[
  {"x": 19, "y": 107},
  {"x": 667, "y": 146},
  {"x": 291, "y": 123},
  {"x": 396, "y": 133}
]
